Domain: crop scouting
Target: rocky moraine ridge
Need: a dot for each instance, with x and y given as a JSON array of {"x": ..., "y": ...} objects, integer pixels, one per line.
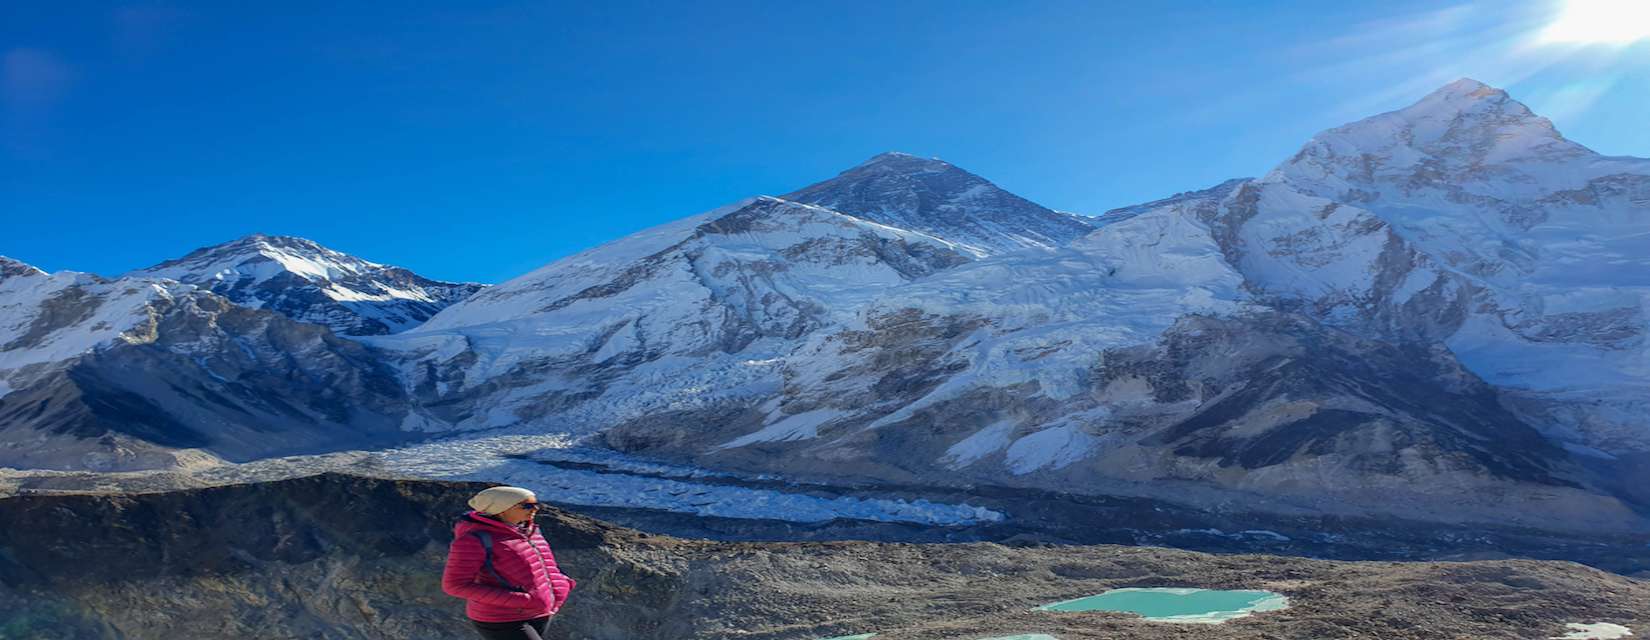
[
  {"x": 1439, "y": 314},
  {"x": 347, "y": 557}
]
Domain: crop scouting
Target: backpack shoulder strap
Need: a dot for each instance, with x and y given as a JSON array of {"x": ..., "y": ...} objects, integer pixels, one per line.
[{"x": 487, "y": 548}]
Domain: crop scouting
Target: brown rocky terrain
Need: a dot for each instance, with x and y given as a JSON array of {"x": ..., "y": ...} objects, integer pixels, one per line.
[{"x": 340, "y": 556}]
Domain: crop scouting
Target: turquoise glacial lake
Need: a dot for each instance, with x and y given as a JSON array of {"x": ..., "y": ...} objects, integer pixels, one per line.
[{"x": 1205, "y": 606}]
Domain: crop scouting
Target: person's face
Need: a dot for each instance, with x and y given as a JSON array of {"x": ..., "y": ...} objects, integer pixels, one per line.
[{"x": 520, "y": 513}]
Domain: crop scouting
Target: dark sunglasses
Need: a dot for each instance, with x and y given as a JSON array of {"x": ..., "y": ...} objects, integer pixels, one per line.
[{"x": 530, "y": 506}]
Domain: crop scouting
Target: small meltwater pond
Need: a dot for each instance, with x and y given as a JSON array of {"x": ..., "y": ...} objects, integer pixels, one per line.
[
  {"x": 1197, "y": 606},
  {"x": 1032, "y": 636},
  {"x": 1159, "y": 604}
]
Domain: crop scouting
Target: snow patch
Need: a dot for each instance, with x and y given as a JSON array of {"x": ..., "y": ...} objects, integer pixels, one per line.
[
  {"x": 991, "y": 439},
  {"x": 1594, "y": 631},
  {"x": 1053, "y": 448},
  {"x": 802, "y": 426}
]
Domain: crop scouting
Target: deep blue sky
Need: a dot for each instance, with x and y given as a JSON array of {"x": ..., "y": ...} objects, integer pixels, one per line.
[{"x": 479, "y": 143}]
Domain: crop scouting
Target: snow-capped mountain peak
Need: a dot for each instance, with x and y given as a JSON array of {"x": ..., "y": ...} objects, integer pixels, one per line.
[
  {"x": 901, "y": 162},
  {"x": 1467, "y": 95},
  {"x": 259, "y": 257},
  {"x": 312, "y": 283},
  {"x": 1466, "y": 135},
  {"x": 1469, "y": 219},
  {"x": 937, "y": 198}
]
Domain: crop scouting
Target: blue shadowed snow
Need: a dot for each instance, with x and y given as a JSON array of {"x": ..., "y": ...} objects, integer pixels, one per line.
[{"x": 1205, "y": 606}]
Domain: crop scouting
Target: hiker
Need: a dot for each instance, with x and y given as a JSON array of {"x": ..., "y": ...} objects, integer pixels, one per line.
[{"x": 503, "y": 568}]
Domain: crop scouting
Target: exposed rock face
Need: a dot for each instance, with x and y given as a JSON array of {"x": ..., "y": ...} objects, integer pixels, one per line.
[
  {"x": 345, "y": 557},
  {"x": 311, "y": 283},
  {"x": 941, "y": 200}
]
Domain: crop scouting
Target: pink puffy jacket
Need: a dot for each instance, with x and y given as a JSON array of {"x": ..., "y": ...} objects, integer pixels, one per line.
[{"x": 536, "y": 587}]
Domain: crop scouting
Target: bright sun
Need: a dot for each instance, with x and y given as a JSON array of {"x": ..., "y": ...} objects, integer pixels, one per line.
[{"x": 1601, "y": 21}]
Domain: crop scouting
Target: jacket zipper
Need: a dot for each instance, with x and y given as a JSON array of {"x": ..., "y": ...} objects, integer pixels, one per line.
[
  {"x": 542, "y": 563},
  {"x": 550, "y": 580}
]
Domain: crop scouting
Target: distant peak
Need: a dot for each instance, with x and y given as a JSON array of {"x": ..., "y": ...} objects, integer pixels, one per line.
[
  {"x": 940, "y": 199},
  {"x": 291, "y": 252},
  {"x": 1454, "y": 114},
  {"x": 898, "y": 162},
  {"x": 1450, "y": 134},
  {"x": 1468, "y": 86},
  {"x": 267, "y": 239},
  {"x": 1466, "y": 96},
  {"x": 1467, "y": 89}
]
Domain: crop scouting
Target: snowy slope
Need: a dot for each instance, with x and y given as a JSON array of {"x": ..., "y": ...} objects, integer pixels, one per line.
[
  {"x": 311, "y": 283},
  {"x": 941, "y": 200},
  {"x": 1031, "y": 317},
  {"x": 46, "y": 319},
  {"x": 686, "y": 314}
]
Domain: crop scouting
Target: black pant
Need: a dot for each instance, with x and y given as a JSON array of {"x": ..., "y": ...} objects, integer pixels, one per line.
[{"x": 523, "y": 630}]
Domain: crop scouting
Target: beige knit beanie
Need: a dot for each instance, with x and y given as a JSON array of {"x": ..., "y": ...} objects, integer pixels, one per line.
[{"x": 495, "y": 500}]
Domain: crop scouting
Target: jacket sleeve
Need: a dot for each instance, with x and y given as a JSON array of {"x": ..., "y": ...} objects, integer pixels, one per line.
[
  {"x": 561, "y": 586},
  {"x": 464, "y": 559}
]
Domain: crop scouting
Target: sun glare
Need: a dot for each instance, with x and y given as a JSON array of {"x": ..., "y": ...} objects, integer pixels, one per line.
[{"x": 1601, "y": 22}]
